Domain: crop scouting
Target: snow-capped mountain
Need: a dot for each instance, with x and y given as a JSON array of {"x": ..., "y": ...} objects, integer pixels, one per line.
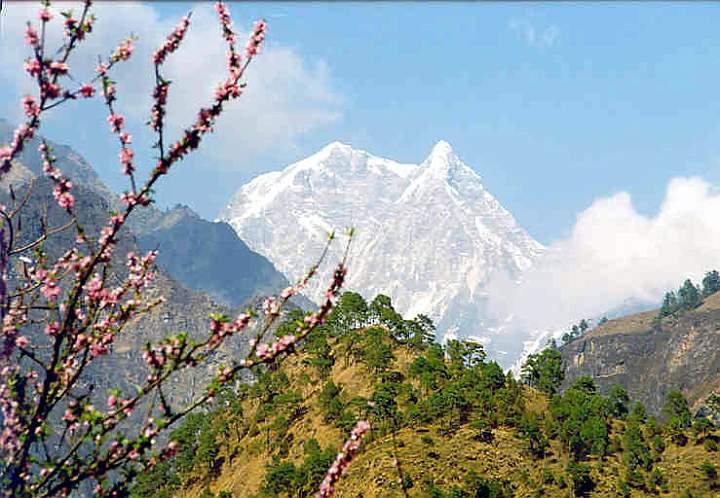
[{"x": 430, "y": 235}]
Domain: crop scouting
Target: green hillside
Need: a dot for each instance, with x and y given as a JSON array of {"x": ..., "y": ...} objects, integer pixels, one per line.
[{"x": 456, "y": 425}]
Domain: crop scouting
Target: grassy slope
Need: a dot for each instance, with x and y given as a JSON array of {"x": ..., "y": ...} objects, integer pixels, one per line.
[
  {"x": 641, "y": 322},
  {"x": 448, "y": 459},
  {"x": 425, "y": 452}
]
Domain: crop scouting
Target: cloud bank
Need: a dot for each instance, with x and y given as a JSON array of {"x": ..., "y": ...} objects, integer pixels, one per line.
[
  {"x": 287, "y": 95},
  {"x": 615, "y": 256}
]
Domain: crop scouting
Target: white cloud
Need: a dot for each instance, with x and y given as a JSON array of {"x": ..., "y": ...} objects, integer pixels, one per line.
[
  {"x": 542, "y": 37},
  {"x": 616, "y": 256},
  {"x": 287, "y": 95}
]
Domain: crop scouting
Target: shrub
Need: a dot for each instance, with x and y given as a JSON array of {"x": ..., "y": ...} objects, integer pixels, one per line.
[
  {"x": 710, "y": 445},
  {"x": 709, "y": 472},
  {"x": 579, "y": 474}
]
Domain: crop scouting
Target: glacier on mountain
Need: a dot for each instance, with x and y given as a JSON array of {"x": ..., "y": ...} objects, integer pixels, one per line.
[{"x": 429, "y": 235}]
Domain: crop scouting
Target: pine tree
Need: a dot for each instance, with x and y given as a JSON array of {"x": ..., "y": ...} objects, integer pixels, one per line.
[
  {"x": 637, "y": 452},
  {"x": 676, "y": 409},
  {"x": 711, "y": 283},
  {"x": 689, "y": 296},
  {"x": 544, "y": 370},
  {"x": 669, "y": 305},
  {"x": 678, "y": 416},
  {"x": 618, "y": 400}
]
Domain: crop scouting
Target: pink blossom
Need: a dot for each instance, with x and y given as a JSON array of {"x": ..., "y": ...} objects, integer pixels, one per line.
[
  {"x": 45, "y": 15},
  {"x": 52, "y": 328},
  {"x": 124, "y": 50},
  {"x": 50, "y": 90},
  {"x": 226, "y": 22},
  {"x": 288, "y": 292},
  {"x": 101, "y": 69},
  {"x": 343, "y": 459},
  {"x": 263, "y": 350},
  {"x": 112, "y": 401},
  {"x": 30, "y": 106},
  {"x": 127, "y": 408},
  {"x": 80, "y": 342},
  {"x": 256, "y": 39},
  {"x": 87, "y": 90},
  {"x": 172, "y": 42},
  {"x": 59, "y": 68},
  {"x": 126, "y": 159},
  {"x": 171, "y": 450},
  {"x": 94, "y": 287},
  {"x": 51, "y": 171},
  {"x": 31, "y": 36},
  {"x": 271, "y": 307},
  {"x": 229, "y": 88},
  {"x": 98, "y": 350},
  {"x": 117, "y": 219},
  {"x": 21, "y": 341},
  {"x": 116, "y": 121},
  {"x": 33, "y": 67},
  {"x": 62, "y": 194},
  {"x": 51, "y": 290}
]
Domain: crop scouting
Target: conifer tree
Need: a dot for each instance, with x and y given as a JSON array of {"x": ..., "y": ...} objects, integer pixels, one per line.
[{"x": 711, "y": 283}]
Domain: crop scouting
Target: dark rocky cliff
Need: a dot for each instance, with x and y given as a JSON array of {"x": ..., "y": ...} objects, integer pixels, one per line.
[
  {"x": 208, "y": 256},
  {"x": 199, "y": 254},
  {"x": 650, "y": 356}
]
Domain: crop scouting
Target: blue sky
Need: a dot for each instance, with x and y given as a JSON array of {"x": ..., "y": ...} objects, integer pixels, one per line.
[{"x": 554, "y": 104}]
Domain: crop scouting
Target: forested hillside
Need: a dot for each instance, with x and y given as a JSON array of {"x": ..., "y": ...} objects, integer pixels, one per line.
[{"x": 446, "y": 422}]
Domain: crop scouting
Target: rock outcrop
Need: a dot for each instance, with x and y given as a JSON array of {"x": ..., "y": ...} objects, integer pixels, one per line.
[{"x": 650, "y": 356}]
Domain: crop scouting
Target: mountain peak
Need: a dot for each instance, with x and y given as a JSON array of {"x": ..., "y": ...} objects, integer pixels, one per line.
[
  {"x": 443, "y": 161},
  {"x": 442, "y": 149},
  {"x": 337, "y": 146},
  {"x": 442, "y": 156},
  {"x": 334, "y": 152},
  {"x": 429, "y": 236}
]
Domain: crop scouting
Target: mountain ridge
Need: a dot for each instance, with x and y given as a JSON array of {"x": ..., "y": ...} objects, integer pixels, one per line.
[
  {"x": 202, "y": 255},
  {"x": 429, "y": 235},
  {"x": 649, "y": 355}
]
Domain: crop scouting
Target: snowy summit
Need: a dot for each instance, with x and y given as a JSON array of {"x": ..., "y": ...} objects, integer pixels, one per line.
[{"x": 429, "y": 235}]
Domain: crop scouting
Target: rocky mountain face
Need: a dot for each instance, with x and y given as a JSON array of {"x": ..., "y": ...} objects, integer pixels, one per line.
[
  {"x": 199, "y": 254},
  {"x": 70, "y": 162},
  {"x": 185, "y": 309},
  {"x": 429, "y": 235},
  {"x": 208, "y": 256},
  {"x": 204, "y": 267},
  {"x": 651, "y": 357}
]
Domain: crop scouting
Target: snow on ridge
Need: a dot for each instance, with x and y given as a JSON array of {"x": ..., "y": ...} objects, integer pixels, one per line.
[{"x": 429, "y": 235}]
